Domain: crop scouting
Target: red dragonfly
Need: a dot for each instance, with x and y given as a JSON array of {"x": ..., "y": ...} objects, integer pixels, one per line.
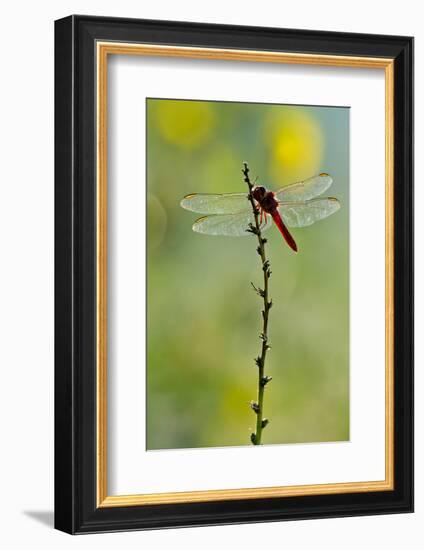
[{"x": 294, "y": 205}]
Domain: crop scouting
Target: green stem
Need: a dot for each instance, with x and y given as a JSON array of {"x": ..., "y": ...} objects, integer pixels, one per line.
[{"x": 258, "y": 406}]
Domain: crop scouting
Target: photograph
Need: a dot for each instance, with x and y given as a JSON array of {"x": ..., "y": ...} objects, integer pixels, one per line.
[
  {"x": 233, "y": 274},
  {"x": 247, "y": 338}
]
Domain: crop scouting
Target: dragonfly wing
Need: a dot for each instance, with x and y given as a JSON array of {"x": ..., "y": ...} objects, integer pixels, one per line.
[
  {"x": 301, "y": 214},
  {"x": 304, "y": 190},
  {"x": 206, "y": 203},
  {"x": 230, "y": 225}
]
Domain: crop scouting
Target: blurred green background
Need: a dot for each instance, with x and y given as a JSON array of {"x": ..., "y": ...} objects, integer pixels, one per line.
[{"x": 203, "y": 316}]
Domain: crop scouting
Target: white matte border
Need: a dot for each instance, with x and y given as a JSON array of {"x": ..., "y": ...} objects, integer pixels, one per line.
[{"x": 132, "y": 470}]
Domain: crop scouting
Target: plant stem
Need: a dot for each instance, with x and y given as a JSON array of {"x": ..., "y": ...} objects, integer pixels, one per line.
[{"x": 258, "y": 406}]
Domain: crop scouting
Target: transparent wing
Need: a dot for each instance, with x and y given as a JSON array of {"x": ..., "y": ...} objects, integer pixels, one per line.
[
  {"x": 205, "y": 203},
  {"x": 304, "y": 190},
  {"x": 301, "y": 214},
  {"x": 230, "y": 225}
]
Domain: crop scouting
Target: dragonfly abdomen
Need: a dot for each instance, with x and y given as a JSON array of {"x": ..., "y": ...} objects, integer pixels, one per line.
[{"x": 283, "y": 229}]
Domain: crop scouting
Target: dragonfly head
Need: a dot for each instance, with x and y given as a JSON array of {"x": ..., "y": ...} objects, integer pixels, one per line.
[{"x": 259, "y": 193}]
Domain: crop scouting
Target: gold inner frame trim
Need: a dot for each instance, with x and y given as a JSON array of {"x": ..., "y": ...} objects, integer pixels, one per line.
[{"x": 103, "y": 50}]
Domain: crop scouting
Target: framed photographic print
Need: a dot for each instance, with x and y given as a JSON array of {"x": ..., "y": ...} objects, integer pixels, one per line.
[{"x": 234, "y": 270}]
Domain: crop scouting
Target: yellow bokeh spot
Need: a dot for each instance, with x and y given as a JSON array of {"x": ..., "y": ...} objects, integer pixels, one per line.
[
  {"x": 186, "y": 124},
  {"x": 296, "y": 142}
]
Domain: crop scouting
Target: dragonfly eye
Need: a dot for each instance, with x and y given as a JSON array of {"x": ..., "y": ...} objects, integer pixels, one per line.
[{"x": 259, "y": 192}]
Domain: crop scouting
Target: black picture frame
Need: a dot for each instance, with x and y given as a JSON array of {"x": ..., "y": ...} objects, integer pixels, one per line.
[{"x": 76, "y": 509}]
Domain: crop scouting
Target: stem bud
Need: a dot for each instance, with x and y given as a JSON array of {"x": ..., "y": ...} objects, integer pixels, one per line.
[
  {"x": 265, "y": 380},
  {"x": 255, "y": 407}
]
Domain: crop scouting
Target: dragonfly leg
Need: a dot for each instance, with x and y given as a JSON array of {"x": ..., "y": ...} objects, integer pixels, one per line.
[{"x": 263, "y": 219}]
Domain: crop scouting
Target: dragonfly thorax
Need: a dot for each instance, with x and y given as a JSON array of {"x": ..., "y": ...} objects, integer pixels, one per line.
[{"x": 265, "y": 199}]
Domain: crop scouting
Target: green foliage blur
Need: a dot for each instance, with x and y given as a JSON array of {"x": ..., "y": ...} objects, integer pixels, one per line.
[{"x": 203, "y": 316}]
